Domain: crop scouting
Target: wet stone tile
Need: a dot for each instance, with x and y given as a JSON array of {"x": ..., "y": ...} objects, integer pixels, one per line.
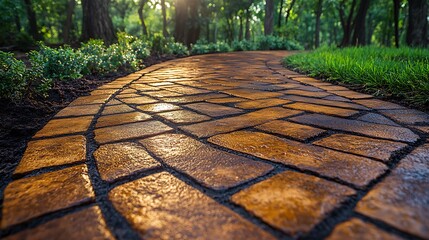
[
  {"x": 113, "y": 102},
  {"x": 35, "y": 196},
  {"x": 306, "y": 93},
  {"x": 187, "y": 90},
  {"x": 293, "y": 202},
  {"x": 213, "y": 110},
  {"x": 407, "y": 116},
  {"x": 153, "y": 204},
  {"x": 121, "y": 108},
  {"x": 351, "y": 94},
  {"x": 337, "y": 98},
  {"x": 158, "y": 107},
  {"x": 424, "y": 129},
  {"x": 262, "y": 103},
  {"x": 122, "y": 159},
  {"x": 349, "y": 168},
  {"x": 70, "y": 227},
  {"x": 65, "y": 126},
  {"x": 130, "y": 131},
  {"x": 252, "y": 94},
  {"x": 365, "y": 128},
  {"x": 369, "y": 147},
  {"x": 79, "y": 110},
  {"x": 197, "y": 98},
  {"x": 289, "y": 129},
  {"x": 401, "y": 199},
  {"x": 377, "y": 118},
  {"x": 226, "y": 100},
  {"x": 93, "y": 99},
  {"x": 162, "y": 93},
  {"x": 139, "y": 100},
  {"x": 122, "y": 118},
  {"x": 322, "y": 109},
  {"x": 184, "y": 117},
  {"x": 211, "y": 128},
  {"x": 326, "y": 102},
  {"x": 52, "y": 152},
  {"x": 356, "y": 229},
  {"x": 378, "y": 104},
  {"x": 211, "y": 167},
  {"x": 128, "y": 95}
]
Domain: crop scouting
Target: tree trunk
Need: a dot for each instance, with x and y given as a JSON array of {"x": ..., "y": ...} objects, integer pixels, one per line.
[
  {"x": 269, "y": 17},
  {"x": 194, "y": 29},
  {"x": 347, "y": 28},
  {"x": 181, "y": 19},
  {"x": 32, "y": 20},
  {"x": 141, "y": 16},
  {"x": 417, "y": 32},
  {"x": 71, "y": 4},
  {"x": 317, "y": 31},
  {"x": 396, "y": 6},
  {"x": 240, "y": 30},
  {"x": 247, "y": 35},
  {"x": 164, "y": 19},
  {"x": 279, "y": 21},
  {"x": 97, "y": 23},
  {"x": 289, "y": 10},
  {"x": 359, "y": 32}
]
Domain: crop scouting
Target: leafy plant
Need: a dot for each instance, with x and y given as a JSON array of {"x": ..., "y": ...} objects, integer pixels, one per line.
[{"x": 12, "y": 77}]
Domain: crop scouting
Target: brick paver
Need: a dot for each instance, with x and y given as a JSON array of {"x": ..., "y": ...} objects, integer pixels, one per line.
[{"x": 222, "y": 146}]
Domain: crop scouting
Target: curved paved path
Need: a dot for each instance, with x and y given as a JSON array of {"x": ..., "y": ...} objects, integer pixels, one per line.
[{"x": 223, "y": 146}]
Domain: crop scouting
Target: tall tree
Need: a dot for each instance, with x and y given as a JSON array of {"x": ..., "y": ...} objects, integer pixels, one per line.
[
  {"x": 269, "y": 17},
  {"x": 97, "y": 23},
  {"x": 32, "y": 20},
  {"x": 318, "y": 13},
  {"x": 181, "y": 18},
  {"x": 292, "y": 3},
  {"x": 71, "y": 4},
  {"x": 417, "y": 32},
  {"x": 140, "y": 9},
  {"x": 164, "y": 18},
  {"x": 346, "y": 23},
  {"x": 396, "y": 7},
  {"x": 359, "y": 31},
  {"x": 279, "y": 21}
]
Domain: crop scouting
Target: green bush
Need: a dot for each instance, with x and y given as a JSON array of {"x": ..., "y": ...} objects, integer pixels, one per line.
[
  {"x": 276, "y": 43},
  {"x": 177, "y": 49},
  {"x": 202, "y": 47},
  {"x": 94, "y": 52},
  {"x": 243, "y": 45},
  {"x": 62, "y": 63},
  {"x": 12, "y": 77}
]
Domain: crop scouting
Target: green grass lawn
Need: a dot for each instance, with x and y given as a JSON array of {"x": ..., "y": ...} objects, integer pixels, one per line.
[{"x": 401, "y": 74}]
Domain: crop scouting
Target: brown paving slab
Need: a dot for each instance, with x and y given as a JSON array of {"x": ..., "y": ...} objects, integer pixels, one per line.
[
  {"x": 356, "y": 229},
  {"x": 293, "y": 202},
  {"x": 84, "y": 224},
  {"x": 216, "y": 88},
  {"x": 213, "y": 110},
  {"x": 424, "y": 129},
  {"x": 158, "y": 107},
  {"x": 184, "y": 117},
  {"x": 52, "y": 152},
  {"x": 162, "y": 93},
  {"x": 211, "y": 167},
  {"x": 103, "y": 92},
  {"x": 369, "y": 147},
  {"x": 349, "y": 168},
  {"x": 35, "y": 196},
  {"x": 161, "y": 84},
  {"x": 144, "y": 87},
  {"x": 351, "y": 94},
  {"x": 117, "y": 119},
  {"x": 65, "y": 126},
  {"x": 128, "y": 95},
  {"x": 407, "y": 116},
  {"x": 377, "y": 118},
  {"x": 226, "y": 100},
  {"x": 337, "y": 98},
  {"x": 378, "y": 104},
  {"x": 121, "y": 108},
  {"x": 129, "y": 131},
  {"x": 325, "y": 102},
  {"x": 289, "y": 85},
  {"x": 289, "y": 129},
  {"x": 79, "y": 110},
  {"x": 401, "y": 199},
  {"x": 306, "y": 93},
  {"x": 333, "y": 88},
  {"x": 365, "y": 128},
  {"x": 252, "y": 94},
  {"x": 207, "y": 129},
  {"x": 322, "y": 109},
  {"x": 187, "y": 90},
  {"x": 122, "y": 159},
  {"x": 139, "y": 100},
  {"x": 261, "y": 103},
  {"x": 197, "y": 98},
  {"x": 93, "y": 99},
  {"x": 178, "y": 211}
]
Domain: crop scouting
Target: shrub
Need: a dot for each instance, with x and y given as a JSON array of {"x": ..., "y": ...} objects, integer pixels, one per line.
[
  {"x": 94, "y": 52},
  {"x": 62, "y": 63},
  {"x": 276, "y": 43},
  {"x": 202, "y": 47},
  {"x": 178, "y": 49},
  {"x": 243, "y": 45},
  {"x": 12, "y": 77}
]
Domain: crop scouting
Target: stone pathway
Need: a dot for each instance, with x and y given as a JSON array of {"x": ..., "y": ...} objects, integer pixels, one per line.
[{"x": 223, "y": 146}]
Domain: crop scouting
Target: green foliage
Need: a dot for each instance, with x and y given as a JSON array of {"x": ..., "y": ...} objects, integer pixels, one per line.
[
  {"x": 402, "y": 73},
  {"x": 243, "y": 45},
  {"x": 94, "y": 52},
  {"x": 177, "y": 49},
  {"x": 276, "y": 43},
  {"x": 62, "y": 63},
  {"x": 202, "y": 47},
  {"x": 12, "y": 77}
]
